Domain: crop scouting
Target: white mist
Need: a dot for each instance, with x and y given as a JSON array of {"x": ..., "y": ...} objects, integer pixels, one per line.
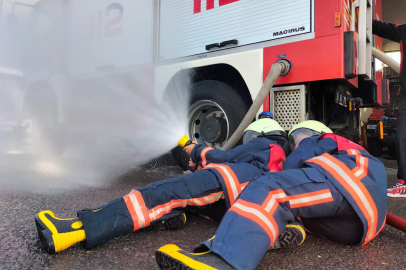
[{"x": 78, "y": 104}]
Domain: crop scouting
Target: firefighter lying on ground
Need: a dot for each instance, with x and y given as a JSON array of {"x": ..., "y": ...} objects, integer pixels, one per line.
[
  {"x": 161, "y": 205},
  {"x": 336, "y": 188}
]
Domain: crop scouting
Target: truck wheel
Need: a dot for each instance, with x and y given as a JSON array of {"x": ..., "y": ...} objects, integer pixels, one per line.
[
  {"x": 375, "y": 147},
  {"x": 215, "y": 112}
]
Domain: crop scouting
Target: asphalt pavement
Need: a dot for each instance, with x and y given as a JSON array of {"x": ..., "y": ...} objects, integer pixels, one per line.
[{"x": 20, "y": 247}]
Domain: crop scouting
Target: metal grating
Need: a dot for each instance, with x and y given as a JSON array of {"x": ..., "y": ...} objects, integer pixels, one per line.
[{"x": 287, "y": 107}]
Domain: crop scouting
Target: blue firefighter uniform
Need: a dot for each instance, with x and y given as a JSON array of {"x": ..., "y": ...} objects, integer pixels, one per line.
[
  {"x": 224, "y": 175},
  {"x": 336, "y": 188}
]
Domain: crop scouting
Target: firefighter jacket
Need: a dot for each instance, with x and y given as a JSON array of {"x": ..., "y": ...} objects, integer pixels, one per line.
[
  {"x": 265, "y": 153},
  {"x": 360, "y": 177}
]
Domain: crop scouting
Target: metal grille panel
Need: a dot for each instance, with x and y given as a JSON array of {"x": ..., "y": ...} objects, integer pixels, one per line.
[
  {"x": 288, "y": 105},
  {"x": 287, "y": 108}
]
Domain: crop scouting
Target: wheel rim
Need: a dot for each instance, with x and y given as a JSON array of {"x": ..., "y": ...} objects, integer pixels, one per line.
[{"x": 204, "y": 115}]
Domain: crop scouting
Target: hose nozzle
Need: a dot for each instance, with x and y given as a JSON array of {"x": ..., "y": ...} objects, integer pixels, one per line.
[{"x": 184, "y": 141}]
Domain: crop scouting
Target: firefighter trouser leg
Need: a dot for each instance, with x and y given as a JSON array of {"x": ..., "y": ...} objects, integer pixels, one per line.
[
  {"x": 401, "y": 140},
  {"x": 268, "y": 204},
  {"x": 156, "y": 201}
]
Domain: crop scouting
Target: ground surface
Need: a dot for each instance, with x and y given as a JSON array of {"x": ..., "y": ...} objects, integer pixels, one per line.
[{"x": 20, "y": 247}]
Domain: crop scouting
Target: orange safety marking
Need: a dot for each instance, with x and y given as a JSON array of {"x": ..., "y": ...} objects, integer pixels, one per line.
[
  {"x": 255, "y": 213},
  {"x": 138, "y": 210},
  {"x": 361, "y": 170},
  {"x": 163, "y": 209},
  {"x": 299, "y": 200},
  {"x": 337, "y": 19},
  {"x": 311, "y": 198},
  {"x": 203, "y": 155},
  {"x": 231, "y": 180},
  {"x": 244, "y": 185}
]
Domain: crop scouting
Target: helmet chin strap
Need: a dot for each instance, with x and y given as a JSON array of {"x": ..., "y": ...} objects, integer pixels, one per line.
[{"x": 262, "y": 134}]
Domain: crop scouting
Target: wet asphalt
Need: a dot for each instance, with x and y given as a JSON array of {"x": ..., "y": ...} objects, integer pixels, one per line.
[{"x": 20, "y": 247}]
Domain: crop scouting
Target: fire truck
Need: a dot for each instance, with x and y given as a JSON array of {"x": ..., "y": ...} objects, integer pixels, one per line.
[
  {"x": 225, "y": 47},
  {"x": 381, "y": 125}
]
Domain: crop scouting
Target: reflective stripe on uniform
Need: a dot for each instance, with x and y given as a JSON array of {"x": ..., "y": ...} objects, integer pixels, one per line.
[
  {"x": 354, "y": 187},
  {"x": 311, "y": 198},
  {"x": 299, "y": 200},
  {"x": 362, "y": 164},
  {"x": 257, "y": 214},
  {"x": 203, "y": 155},
  {"x": 273, "y": 197},
  {"x": 230, "y": 179},
  {"x": 138, "y": 210},
  {"x": 163, "y": 209},
  {"x": 244, "y": 185}
]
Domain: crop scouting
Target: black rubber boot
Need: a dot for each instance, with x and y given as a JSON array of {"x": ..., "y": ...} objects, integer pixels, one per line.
[{"x": 173, "y": 223}]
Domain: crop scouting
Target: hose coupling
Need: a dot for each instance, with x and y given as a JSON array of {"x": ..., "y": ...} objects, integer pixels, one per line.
[{"x": 286, "y": 66}]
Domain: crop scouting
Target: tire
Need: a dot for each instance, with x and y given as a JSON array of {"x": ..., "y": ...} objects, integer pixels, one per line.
[
  {"x": 213, "y": 104},
  {"x": 225, "y": 98},
  {"x": 375, "y": 147}
]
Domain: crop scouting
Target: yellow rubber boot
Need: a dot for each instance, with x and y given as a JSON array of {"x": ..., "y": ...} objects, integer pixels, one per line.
[
  {"x": 58, "y": 234},
  {"x": 171, "y": 257}
]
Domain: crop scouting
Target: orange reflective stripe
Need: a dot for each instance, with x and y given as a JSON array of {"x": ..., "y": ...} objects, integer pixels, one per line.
[
  {"x": 361, "y": 170},
  {"x": 356, "y": 189},
  {"x": 310, "y": 198},
  {"x": 274, "y": 196},
  {"x": 255, "y": 213},
  {"x": 163, "y": 209},
  {"x": 230, "y": 179},
  {"x": 383, "y": 225},
  {"x": 243, "y": 185},
  {"x": 203, "y": 155},
  {"x": 138, "y": 210},
  {"x": 300, "y": 200},
  {"x": 362, "y": 164},
  {"x": 351, "y": 152}
]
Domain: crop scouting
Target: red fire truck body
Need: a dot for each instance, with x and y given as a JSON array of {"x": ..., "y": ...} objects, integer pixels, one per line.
[
  {"x": 321, "y": 58},
  {"x": 226, "y": 49}
]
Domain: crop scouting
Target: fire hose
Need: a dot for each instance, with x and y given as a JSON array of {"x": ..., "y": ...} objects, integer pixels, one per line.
[{"x": 282, "y": 67}]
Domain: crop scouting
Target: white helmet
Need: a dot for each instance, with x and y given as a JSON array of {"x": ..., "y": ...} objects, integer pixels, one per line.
[
  {"x": 263, "y": 127},
  {"x": 306, "y": 129}
]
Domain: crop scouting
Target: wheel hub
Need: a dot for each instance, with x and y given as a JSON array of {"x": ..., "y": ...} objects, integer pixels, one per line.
[
  {"x": 208, "y": 123},
  {"x": 212, "y": 130}
]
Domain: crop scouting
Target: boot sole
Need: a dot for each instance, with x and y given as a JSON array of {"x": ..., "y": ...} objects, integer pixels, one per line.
[
  {"x": 175, "y": 223},
  {"x": 293, "y": 236},
  {"x": 45, "y": 235},
  {"x": 166, "y": 262},
  {"x": 397, "y": 195}
]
